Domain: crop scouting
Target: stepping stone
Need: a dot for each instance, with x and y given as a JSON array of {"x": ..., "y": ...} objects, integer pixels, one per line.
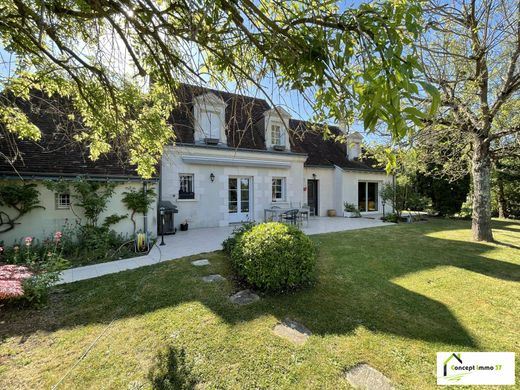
[
  {"x": 213, "y": 278},
  {"x": 364, "y": 376},
  {"x": 292, "y": 331},
  {"x": 244, "y": 297},
  {"x": 200, "y": 263}
]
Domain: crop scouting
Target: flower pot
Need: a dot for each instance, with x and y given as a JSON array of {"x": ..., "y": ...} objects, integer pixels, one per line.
[
  {"x": 350, "y": 214},
  {"x": 331, "y": 213},
  {"x": 184, "y": 227}
]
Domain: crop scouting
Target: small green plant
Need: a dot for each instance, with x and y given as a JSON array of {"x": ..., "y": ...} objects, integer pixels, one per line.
[
  {"x": 349, "y": 207},
  {"x": 274, "y": 257},
  {"x": 391, "y": 217}
]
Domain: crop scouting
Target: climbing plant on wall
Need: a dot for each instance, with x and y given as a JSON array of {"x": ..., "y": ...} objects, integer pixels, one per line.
[
  {"x": 138, "y": 201},
  {"x": 22, "y": 198}
]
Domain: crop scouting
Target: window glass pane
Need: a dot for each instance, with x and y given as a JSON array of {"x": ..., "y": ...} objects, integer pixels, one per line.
[
  {"x": 278, "y": 189},
  {"x": 362, "y": 196},
  {"x": 276, "y": 135},
  {"x": 233, "y": 184},
  {"x": 211, "y": 124},
  {"x": 372, "y": 197}
]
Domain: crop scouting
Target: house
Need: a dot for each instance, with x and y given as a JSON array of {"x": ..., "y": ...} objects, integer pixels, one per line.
[{"x": 234, "y": 156}]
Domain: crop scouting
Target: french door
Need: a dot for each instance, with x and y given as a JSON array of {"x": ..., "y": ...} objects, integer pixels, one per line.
[{"x": 239, "y": 203}]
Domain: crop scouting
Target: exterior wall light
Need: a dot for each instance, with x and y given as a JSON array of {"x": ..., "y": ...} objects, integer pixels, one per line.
[
  {"x": 314, "y": 176},
  {"x": 212, "y": 177}
]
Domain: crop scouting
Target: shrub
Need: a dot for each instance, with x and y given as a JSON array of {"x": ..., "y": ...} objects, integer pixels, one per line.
[
  {"x": 391, "y": 217},
  {"x": 274, "y": 257},
  {"x": 229, "y": 243}
]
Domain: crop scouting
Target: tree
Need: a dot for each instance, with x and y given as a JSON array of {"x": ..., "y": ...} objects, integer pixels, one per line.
[
  {"x": 471, "y": 53},
  {"x": 358, "y": 62}
]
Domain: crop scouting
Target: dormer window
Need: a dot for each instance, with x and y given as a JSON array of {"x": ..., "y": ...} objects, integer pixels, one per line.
[
  {"x": 276, "y": 125},
  {"x": 209, "y": 114},
  {"x": 211, "y": 124},
  {"x": 277, "y": 136}
]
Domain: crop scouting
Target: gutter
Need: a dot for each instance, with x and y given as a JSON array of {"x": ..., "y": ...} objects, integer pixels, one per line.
[
  {"x": 71, "y": 176},
  {"x": 229, "y": 148}
]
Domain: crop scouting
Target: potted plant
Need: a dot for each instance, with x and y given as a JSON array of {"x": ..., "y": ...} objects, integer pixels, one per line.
[
  {"x": 350, "y": 210},
  {"x": 184, "y": 226}
]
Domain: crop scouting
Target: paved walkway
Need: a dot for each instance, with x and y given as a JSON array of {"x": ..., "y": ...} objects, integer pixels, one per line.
[{"x": 198, "y": 241}]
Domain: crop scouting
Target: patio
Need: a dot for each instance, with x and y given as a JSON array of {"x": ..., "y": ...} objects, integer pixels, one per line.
[{"x": 197, "y": 241}]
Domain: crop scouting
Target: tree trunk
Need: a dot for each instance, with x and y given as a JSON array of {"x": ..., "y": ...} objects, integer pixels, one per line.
[
  {"x": 502, "y": 202},
  {"x": 481, "y": 176}
]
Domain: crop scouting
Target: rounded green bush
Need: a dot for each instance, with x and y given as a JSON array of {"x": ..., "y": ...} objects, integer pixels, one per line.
[{"x": 273, "y": 256}]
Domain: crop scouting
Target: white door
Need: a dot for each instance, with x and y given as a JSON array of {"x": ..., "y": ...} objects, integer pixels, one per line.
[{"x": 239, "y": 203}]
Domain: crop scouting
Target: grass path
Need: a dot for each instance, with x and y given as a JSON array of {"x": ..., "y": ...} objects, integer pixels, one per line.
[{"x": 390, "y": 296}]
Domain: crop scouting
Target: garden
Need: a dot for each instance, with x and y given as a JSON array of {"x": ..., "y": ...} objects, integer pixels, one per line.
[
  {"x": 387, "y": 297},
  {"x": 30, "y": 266}
]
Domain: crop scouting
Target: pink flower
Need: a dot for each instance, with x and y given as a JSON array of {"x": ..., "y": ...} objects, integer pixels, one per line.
[
  {"x": 28, "y": 240},
  {"x": 11, "y": 279},
  {"x": 57, "y": 236},
  {"x": 10, "y": 289}
]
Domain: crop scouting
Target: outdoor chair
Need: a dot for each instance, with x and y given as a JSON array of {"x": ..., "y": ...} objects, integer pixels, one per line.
[
  {"x": 290, "y": 216},
  {"x": 304, "y": 213}
]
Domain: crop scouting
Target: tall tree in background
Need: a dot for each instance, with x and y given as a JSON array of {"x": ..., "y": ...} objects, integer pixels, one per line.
[
  {"x": 359, "y": 62},
  {"x": 471, "y": 53}
]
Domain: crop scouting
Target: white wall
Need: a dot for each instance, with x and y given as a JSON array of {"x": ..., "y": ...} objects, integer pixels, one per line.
[
  {"x": 326, "y": 180},
  {"x": 210, "y": 206},
  {"x": 42, "y": 223}
]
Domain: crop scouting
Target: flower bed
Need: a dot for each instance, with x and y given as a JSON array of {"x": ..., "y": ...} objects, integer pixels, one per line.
[{"x": 11, "y": 280}]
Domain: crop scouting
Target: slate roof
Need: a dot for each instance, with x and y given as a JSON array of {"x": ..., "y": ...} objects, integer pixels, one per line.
[
  {"x": 325, "y": 152},
  {"x": 58, "y": 154}
]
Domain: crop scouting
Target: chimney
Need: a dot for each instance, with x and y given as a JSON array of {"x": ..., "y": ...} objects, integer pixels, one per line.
[{"x": 354, "y": 145}]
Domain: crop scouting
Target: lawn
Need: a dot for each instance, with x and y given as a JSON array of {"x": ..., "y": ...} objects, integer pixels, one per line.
[{"x": 389, "y": 296}]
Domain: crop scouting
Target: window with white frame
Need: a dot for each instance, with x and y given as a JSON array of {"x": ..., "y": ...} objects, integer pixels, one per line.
[
  {"x": 277, "y": 135},
  {"x": 63, "y": 201},
  {"x": 211, "y": 124},
  {"x": 278, "y": 189},
  {"x": 186, "y": 189}
]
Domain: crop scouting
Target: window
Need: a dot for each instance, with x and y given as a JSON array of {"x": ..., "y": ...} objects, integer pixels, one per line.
[
  {"x": 186, "y": 190},
  {"x": 278, "y": 188},
  {"x": 277, "y": 137},
  {"x": 367, "y": 196},
  {"x": 63, "y": 201},
  {"x": 211, "y": 124}
]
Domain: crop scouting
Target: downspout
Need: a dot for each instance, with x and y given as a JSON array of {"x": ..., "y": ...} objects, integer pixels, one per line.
[
  {"x": 145, "y": 214},
  {"x": 159, "y": 198}
]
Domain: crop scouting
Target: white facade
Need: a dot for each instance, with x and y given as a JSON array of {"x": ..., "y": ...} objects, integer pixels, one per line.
[
  {"x": 337, "y": 186},
  {"x": 211, "y": 207},
  {"x": 211, "y": 203},
  {"x": 43, "y": 222}
]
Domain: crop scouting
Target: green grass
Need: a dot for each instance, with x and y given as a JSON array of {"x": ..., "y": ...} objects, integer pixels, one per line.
[{"x": 390, "y": 296}]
